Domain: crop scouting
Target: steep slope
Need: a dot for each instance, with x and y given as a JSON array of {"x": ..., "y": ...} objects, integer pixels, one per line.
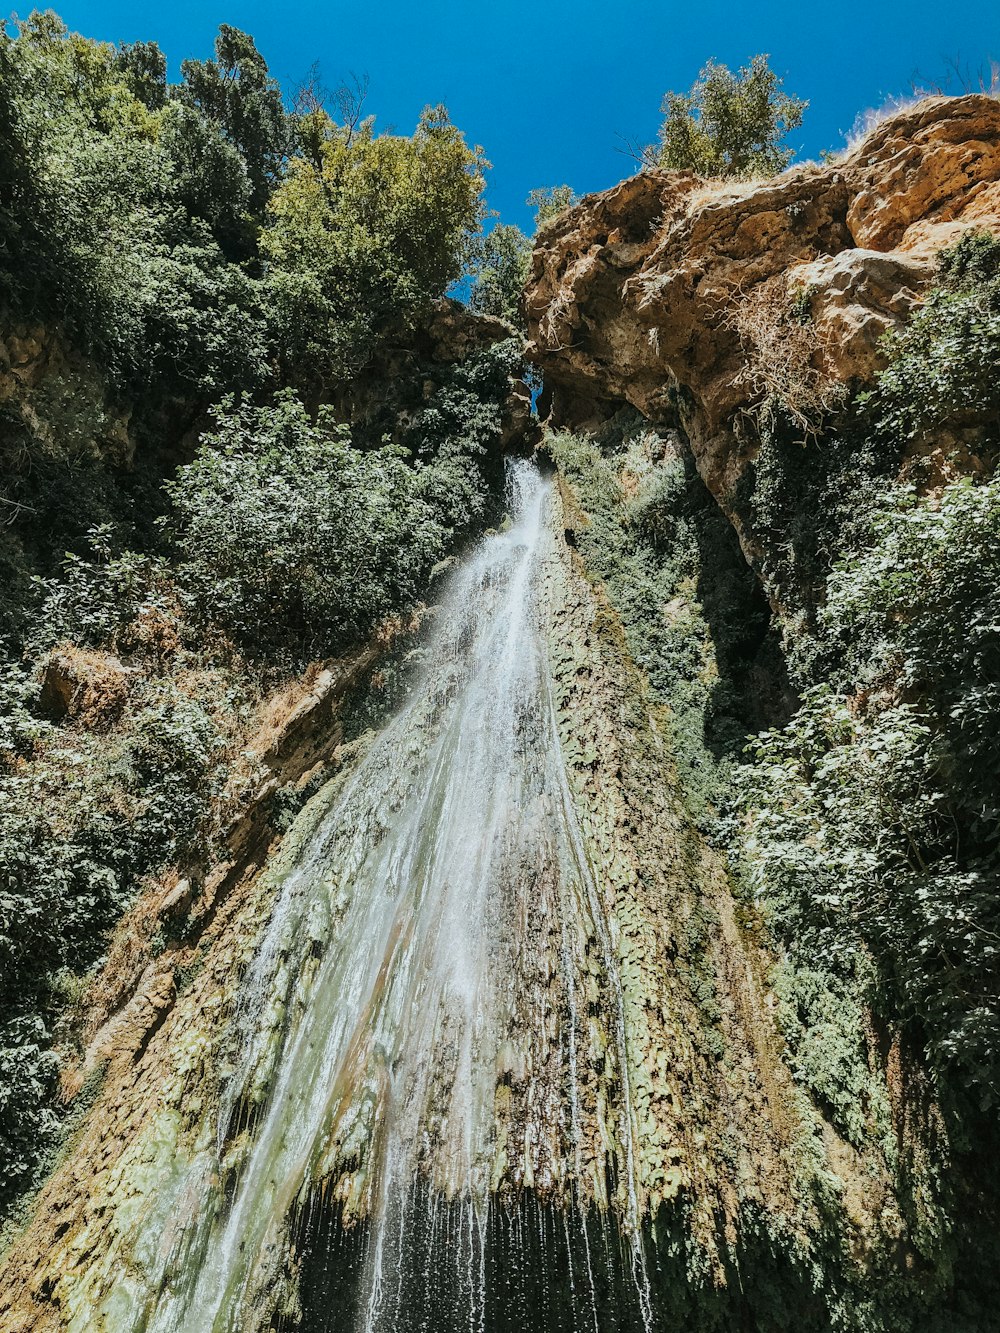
[
  {"x": 636, "y": 1078},
  {"x": 817, "y": 356}
]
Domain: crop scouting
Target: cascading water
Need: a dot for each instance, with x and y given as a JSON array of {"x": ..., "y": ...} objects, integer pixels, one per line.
[{"x": 430, "y": 1068}]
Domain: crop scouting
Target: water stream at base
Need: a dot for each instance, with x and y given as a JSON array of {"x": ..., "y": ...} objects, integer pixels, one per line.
[{"x": 431, "y": 1037}]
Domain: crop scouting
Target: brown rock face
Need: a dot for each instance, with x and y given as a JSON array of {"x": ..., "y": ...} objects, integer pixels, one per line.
[
  {"x": 671, "y": 293},
  {"x": 80, "y": 682}
]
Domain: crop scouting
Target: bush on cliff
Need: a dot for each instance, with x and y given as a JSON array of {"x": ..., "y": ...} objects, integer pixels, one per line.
[
  {"x": 549, "y": 201},
  {"x": 295, "y": 542},
  {"x": 86, "y": 815},
  {"x": 871, "y": 833},
  {"x": 728, "y": 124},
  {"x": 872, "y": 828},
  {"x": 942, "y": 372}
]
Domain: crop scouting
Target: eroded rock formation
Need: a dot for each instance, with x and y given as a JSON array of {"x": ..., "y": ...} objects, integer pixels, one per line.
[{"x": 665, "y": 291}]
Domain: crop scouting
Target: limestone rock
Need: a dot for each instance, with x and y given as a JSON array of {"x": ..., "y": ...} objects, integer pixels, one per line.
[
  {"x": 85, "y": 683},
  {"x": 646, "y": 293}
]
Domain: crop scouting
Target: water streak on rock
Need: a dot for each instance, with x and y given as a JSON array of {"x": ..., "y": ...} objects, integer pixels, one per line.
[{"x": 433, "y": 1023}]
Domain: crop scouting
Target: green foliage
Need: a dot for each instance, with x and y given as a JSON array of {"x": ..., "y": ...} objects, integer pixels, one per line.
[
  {"x": 142, "y": 67},
  {"x": 28, "y": 1124},
  {"x": 164, "y": 232},
  {"x": 236, "y": 91},
  {"x": 54, "y": 504},
  {"x": 873, "y": 830},
  {"x": 209, "y": 176},
  {"x": 92, "y": 600},
  {"x": 206, "y": 320},
  {"x": 811, "y": 503},
  {"x": 808, "y": 502},
  {"x": 821, "y": 1013},
  {"x": 729, "y": 124},
  {"x": 83, "y": 823},
  {"x": 143, "y": 217},
  {"x": 84, "y": 167},
  {"x": 920, "y": 608},
  {"x": 366, "y": 232},
  {"x": 870, "y": 832},
  {"x": 549, "y": 201},
  {"x": 502, "y": 264},
  {"x": 822, "y": 801},
  {"x": 943, "y": 364},
  {"x": 295, "y": 542}
]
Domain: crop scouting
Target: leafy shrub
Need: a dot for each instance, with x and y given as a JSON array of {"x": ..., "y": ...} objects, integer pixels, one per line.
[
  {"x": 20, "y": 726},
  {"x": 549, "y": 201},
  {"x": 872, "y": 824},
  {"x": 205, "y": 320},
  {"x": 295, "y": 541},
  {"x": 28, "y": 1124},
  {"x": 83, "y": 824},
  {"x": 808, "y": 502},
  {"x": 92, "y": 600},
  {"x": 920, "y": 608},
  {"x": 942, "y": 371},
  {"x": 87, "y": 821}
]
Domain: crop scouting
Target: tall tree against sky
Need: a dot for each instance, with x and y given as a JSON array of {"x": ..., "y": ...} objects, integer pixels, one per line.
[{"x": 729, "y": 124}]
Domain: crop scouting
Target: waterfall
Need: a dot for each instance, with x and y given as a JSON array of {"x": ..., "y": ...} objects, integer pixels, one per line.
[{"x": 430, "y": 1042}]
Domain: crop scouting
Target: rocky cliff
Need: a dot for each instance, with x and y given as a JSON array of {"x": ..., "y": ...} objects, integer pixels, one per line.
[
  {"x": 811, "y": 361},
  {"x": 806, "y": 949},
  {"x": 698, "y": 301}
]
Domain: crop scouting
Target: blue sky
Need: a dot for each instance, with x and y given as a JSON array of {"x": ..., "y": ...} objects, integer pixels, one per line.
[{"x": 552, "y": 90}]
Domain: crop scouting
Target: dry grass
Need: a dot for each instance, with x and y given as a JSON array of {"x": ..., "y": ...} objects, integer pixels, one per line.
[{"x": 781, "y": 348}]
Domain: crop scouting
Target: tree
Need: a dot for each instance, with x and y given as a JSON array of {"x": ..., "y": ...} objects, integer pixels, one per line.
[
  {"x": 728, "y": 124},
  {"x": 209, "y": 173},
  {"x": 237, "y": 92},
  {"x": 549, "y": 201},
  {"x": 501, "y": 271},
  {"x": 144, "y": 69},
  {"x": 364, "y": 230}
]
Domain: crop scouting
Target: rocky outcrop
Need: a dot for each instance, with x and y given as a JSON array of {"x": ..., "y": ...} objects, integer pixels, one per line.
[
  {"x": 57, "y": 399},
  {"x": 85, "y": 683},
  {"x": 697, "y": 299}
]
